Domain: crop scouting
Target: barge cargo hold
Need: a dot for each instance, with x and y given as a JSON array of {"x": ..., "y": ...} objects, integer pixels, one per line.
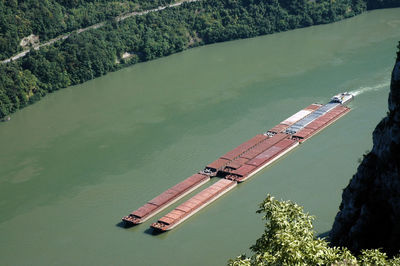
[
  {"x": 193, "y": 205},
  {"x": 165, "y": 199},
  {"x": 241, "y": 163}
]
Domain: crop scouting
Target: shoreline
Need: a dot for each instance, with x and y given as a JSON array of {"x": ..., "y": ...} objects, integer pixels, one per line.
[{"x": 77, "y": 74}]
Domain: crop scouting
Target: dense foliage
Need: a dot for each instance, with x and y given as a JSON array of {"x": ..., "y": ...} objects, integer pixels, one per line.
[
  {"x": 95, "y": 52},
  {"x": 50, "y": 18},
  {"x": 289, "y": 239}
]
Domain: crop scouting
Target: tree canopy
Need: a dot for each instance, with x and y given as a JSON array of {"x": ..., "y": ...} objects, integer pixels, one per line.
[
  {"x": 289, "y": 239},
  {"x": 50, "y": 18}
]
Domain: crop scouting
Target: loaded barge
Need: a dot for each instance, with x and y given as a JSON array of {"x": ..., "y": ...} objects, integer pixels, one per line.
[{"x": 240, "y": 163}]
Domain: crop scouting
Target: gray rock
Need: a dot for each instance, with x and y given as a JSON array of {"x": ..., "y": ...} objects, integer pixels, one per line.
[{"x": 369, "y": 215}]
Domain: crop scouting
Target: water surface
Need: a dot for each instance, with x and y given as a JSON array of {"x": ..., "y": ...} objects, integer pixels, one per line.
[{"x": 72, "y": 164}]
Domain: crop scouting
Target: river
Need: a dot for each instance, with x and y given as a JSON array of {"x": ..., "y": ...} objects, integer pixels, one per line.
[{"x": 74, "y": 163}]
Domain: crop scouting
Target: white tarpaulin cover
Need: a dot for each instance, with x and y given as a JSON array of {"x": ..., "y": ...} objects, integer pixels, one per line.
[{"x": 296, "y": 117}]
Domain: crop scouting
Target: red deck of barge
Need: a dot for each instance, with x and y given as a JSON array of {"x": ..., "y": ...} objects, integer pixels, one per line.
[
  {"x": 193, "y": 205},
  {"x": 234, "y": 167},
  {"x": 165, "y": 199}
]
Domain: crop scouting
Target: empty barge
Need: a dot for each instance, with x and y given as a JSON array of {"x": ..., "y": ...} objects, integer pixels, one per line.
[{"x": 240, "y": 163}]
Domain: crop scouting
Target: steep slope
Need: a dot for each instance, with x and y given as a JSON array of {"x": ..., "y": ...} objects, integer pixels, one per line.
[{"x": 369, "y": 215}]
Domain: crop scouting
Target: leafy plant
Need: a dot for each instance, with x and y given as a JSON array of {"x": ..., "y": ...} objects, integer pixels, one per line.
[{"x": 289, "y": 239}]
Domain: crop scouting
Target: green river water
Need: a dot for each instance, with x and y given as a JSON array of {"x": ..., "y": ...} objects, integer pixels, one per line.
[{"x": 74, "y": 163}]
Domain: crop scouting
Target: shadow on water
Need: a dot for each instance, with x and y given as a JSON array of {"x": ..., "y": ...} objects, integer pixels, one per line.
[
  {"x": 127, "y": 226},
  {"x": 149, "y": 230},
  {"x": 124, "y": 225},
  {"x": 153, "y": 232},
  {"x": 324, "y": 235}
]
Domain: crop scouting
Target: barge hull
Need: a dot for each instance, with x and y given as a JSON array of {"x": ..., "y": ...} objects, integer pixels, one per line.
[
  {"x": 326, "y": 125},
  {"x": 199, "y": 201},
  {"x": 134, "y": 218},
  {"x": 256, "y": 170}
]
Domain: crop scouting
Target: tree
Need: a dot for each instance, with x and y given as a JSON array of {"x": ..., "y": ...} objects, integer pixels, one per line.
[{"x": 289, "y": 239}]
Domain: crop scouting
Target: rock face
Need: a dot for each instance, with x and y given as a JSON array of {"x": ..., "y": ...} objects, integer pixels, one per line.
[
  {"x": 369, "y": 215},
  {"x": 29, "y": 40}
]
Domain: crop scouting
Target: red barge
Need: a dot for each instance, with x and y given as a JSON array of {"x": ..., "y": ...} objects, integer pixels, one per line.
[{"x": 240, "y": 163}]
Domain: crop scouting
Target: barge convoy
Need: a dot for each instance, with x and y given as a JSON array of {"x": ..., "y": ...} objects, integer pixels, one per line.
[{"x": 240, "y": 164}]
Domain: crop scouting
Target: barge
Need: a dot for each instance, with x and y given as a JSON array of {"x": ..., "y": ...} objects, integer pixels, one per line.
[
  {"x": 165, "y": 199},
  {"x": 241, "y": 163}
]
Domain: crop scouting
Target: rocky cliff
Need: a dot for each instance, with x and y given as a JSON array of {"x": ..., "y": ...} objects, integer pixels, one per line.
[{"x": 369, "y": 215}]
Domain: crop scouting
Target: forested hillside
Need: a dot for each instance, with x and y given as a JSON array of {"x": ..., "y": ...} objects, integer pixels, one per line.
[
  {"x": 95, "y": 52},
  {"x": 50, "y": 18}
]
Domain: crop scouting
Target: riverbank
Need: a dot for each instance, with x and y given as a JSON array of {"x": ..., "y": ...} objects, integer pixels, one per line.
[{"x": 97, "y": 51}]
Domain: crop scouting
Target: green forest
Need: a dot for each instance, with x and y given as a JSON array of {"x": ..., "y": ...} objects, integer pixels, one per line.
[
  {"x": 95, "y": 52},
  {"x": 50, "y": 18}
]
